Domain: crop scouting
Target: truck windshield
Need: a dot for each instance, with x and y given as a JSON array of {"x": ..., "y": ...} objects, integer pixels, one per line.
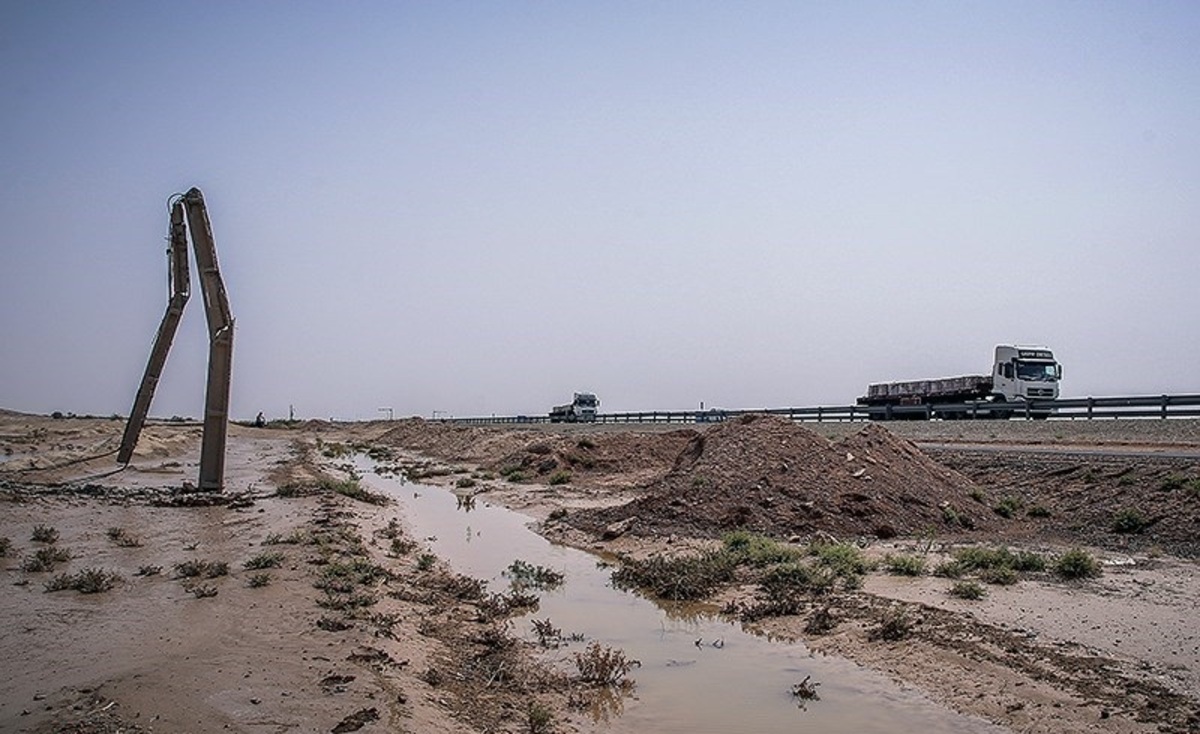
[{"x": 1037, "y": 371}]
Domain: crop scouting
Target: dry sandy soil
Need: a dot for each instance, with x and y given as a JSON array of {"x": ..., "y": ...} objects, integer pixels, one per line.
[{"x": 284, "y": 604}]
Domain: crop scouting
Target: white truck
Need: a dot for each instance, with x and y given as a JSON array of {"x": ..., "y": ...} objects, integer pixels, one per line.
[
  {"x": 1020, "y": 374},
  {"x": 582, "y": 409}
]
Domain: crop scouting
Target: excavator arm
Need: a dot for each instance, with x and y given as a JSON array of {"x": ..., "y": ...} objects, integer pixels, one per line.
[{"x": 188, "y": 212}]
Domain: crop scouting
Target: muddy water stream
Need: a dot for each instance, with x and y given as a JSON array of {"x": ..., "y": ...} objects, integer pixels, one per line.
[{"x": 685, "y": 683}]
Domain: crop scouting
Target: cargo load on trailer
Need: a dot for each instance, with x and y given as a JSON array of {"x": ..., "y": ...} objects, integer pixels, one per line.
[{"x": 1021, "y": 376}]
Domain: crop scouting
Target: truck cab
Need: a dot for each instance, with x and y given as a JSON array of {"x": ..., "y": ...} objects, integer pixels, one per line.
[{"x": 1025, "y": 373}]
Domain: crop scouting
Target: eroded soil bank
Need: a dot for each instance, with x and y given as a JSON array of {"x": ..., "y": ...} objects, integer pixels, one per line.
[{"x": 159, "y": 652}]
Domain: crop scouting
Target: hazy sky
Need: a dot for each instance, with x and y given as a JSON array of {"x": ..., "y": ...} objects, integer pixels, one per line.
[{"x": 483, "y": 207}]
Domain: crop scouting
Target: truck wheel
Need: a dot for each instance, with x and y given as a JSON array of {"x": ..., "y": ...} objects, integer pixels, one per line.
[{"x": 1001, "y": 414}]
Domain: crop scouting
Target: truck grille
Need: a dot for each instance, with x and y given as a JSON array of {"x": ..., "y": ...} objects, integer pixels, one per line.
[{"x": 1040, "y": 392}]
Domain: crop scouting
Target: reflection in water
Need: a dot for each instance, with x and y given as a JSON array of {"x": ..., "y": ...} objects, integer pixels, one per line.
[{"x": 743, "y": 684}]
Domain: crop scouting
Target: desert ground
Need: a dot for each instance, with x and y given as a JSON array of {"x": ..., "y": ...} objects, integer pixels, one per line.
[{"x": 299, "y": 600}]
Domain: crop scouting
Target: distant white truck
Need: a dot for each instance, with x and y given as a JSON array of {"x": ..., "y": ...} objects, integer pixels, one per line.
[
  {"x": 1019, "y": 374},
  {"x": 580, "y": 410}
]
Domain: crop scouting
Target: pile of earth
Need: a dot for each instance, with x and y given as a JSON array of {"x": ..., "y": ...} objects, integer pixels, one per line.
[
  {"x": 600, "y": 459},
  {"x": 767, "y": 474},
  {"x": 453, "y": 442}
]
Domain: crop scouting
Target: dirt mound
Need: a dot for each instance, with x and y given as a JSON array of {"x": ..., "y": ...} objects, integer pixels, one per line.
[
  {"x": 599, "y": 458},
  {"x": 770, "y": 475},
  {"x": 453, "y": 442}
]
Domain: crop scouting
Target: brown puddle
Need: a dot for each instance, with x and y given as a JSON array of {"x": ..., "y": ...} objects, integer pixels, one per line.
[{"x": 698, "y": 672}]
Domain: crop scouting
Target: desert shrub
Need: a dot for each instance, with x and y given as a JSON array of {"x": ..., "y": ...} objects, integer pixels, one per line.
[
  {"x": 5, "y": 546},
  {"x": 45, "y": 559},
  {"x": 1007, "y": 507},
  {"x": 44, "y": 534},
  {"x": 679, "y": 578},
  {"x": 296, "y": 537},
  {"x": 1129, "y": 520},
  {"x": 258, "y": 580},
  {"x": 999, "y": 575},
  {"x": 148, "y": 571},
  {"x": 342, "y": 602},
  {"x": 585, "y": 443},
  {"x": 198, "y": 569},
  {"x": 355, "y": 491},
  {"x": 528, "y": 575},
  {"x": 264, "y": 560},
  {"x": 758, "y": 550},
  {"x": 904, "y": 565},
  {"x": 789, "y": 578},
  {"x": 343, "y": 575},
  {"x": 87, "y": 581},
  {"x": 515, "y": 476},
  {"x": 844, "y": 559},
  {"x": 968, "y": 590},
  {"x": 538, "y": 719},
  {"x": 601, "y": 665},
  {"x": 401, "y": 547},
  {"x": 123, "y": 538},
  {"x": 892, "y": 625},
  {"x": 560, "y": 477},
  {"x": 557, "y": 513},
  {"x": 949, "y": 569},
  {"x": 465, "y": 483},
  {"x": 1172, "y": 483},
  {"x": 425, "y": 561},
  {"x": 548, "y": 635},
  {"x": 1077, "y": 564},
  {"x": 1038, "y": 511}
]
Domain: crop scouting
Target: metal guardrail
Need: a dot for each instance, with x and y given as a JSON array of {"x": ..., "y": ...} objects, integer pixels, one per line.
[{"x": 1090, "y": 408}]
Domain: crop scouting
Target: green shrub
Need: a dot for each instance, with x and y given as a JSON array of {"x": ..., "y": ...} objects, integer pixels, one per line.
[
  {"x": 1172, "y": 483},
  {"x": 788, "y": 579},
  {"x": 1007, "y": 507},
  {"x": 264, "y": 560},
  {"x": 758, "y": 550},
  {"x": 1077, "y": 564},
  {"x": 844, "y": 559},
  {"x": 522, "y": 573},
  {"x": 44, "y": 534},
  {"x": 967, "y": 590},
  {"x": 680, "y": 578},
  {"x": 45, "y": 559},
  {"x": 198, "y": 569},
  {"x": 425, "y": 561},
  {"x": 895, "y": 624},
  {"x": 87, "y": 581},
  {"x": 949, "y": 569},
  {"x": 355, "y": 491},
  {"x": 1129, "y": 521},
  {"x": 1038, "y": 511},
  {"x": 999, "y": 575},
  {"x": 904, "y": 565},
  {"x": 560, "y": 477},
  {"x": 465, "y": 483}
]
